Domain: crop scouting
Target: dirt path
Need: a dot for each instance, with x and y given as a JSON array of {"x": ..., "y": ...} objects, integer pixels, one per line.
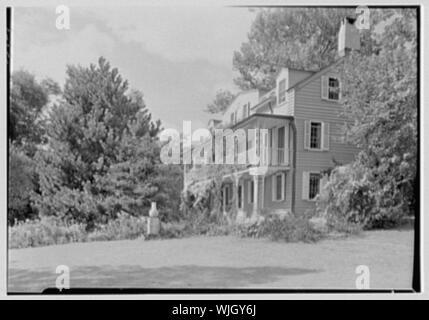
[{"x": 218, "y": 262}]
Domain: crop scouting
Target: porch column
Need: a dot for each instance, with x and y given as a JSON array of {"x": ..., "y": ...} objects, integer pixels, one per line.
[{"x": 258, "y": 174}]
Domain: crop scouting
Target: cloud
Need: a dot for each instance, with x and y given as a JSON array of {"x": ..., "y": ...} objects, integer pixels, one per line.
[
  {"x": 182, "y": 33},
  {"x": 178, "y": 57}
]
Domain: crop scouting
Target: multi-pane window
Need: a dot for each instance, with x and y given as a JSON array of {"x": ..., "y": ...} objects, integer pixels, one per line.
[
  {"x": 240, "y": 196},
  {"x": 315, "y": 135},
  {"x": 314, "y": 185},
  {"x": 282, "y": 91},
  {"x": 279, "y": 187},
  {"x": 333, "y": 88},
  {"x": 251, "y": 187}
]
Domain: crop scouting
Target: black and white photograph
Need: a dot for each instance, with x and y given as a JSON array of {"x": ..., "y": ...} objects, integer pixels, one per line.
[{"x": 241, "y": 148}]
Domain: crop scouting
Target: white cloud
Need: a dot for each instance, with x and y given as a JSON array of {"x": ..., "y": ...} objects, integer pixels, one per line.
[
  {"x": 182, "y": 33},
  {"x": 73, "y": 47}
]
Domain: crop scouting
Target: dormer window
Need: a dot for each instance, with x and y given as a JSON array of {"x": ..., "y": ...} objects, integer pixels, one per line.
[
  {"x": 333, "y": 88},
  {"x": 282, "y": 91}
]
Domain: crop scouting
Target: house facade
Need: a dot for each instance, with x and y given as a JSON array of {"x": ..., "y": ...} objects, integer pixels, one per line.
[{"x": 299, "y": 137}]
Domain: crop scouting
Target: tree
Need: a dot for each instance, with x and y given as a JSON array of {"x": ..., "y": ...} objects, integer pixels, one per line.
[
  {"x": 221, "y": 102},
  {"x": 300, "y": 38},
  {"x": 28, "y": 98},
  {"x": 102, "y": 144},
  {"x": 21, "y": 185},
  {"x": 380, "y": 102}
]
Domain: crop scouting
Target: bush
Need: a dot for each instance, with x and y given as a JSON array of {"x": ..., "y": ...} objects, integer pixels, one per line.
[
  {"x": 288, "y": 229},
  {"x": 351, "y": 197},
  {"x": 43, "y": 232},
  {"x": 51, "y": 230},
  {"x": 125, "y": 226}
]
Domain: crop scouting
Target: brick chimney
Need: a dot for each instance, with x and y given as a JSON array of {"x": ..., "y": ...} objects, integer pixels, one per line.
[{"x": 348, "y": 37}]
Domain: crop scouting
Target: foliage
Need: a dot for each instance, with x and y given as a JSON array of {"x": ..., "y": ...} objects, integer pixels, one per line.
[
  {"x": 221, "y": 102},
  {"x": 102, "y": 149},
  {"x": 351, "y": 197},
  {"x": 28, "y": 98},
  {"x": 21, "y": 184},
  {"x": 299, "y": 38},
  {"x": 380, "y": 108},
  {"x": 50, "y": 230},
  {"x": 43, "y": 232},
  {"x": 125, "y": 226},
  {"x": 289, "y": 229}
]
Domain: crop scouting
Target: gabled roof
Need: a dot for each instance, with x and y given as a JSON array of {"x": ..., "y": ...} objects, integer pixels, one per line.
[
  {"x": 238, "y": 94},
  {"x": 303, "y": 82}
]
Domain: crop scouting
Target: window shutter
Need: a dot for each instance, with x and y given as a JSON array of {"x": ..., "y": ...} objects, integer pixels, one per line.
[
  {"x": 305, "y": 183},
  {"x": 326, "y": 136},
  {"x": 324, "y": 82},
  {"x": 306, "y": 134},
  {"x": 340, "y": 88}
]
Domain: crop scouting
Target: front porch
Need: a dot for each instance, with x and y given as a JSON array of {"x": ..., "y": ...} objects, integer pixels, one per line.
[{"x": 253, "y": 193}]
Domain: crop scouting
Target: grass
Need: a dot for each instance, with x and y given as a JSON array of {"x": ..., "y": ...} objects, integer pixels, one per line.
[{"x": 219, "y": 262}]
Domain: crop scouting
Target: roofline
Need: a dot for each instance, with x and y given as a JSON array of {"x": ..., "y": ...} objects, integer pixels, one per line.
[
  {"x": 303, "y": 82},
  {"x": 236, "y": 96},
  {"x": 262, "y": 115}
]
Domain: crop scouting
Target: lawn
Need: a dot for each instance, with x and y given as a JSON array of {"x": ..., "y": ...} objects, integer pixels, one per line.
[{"x": 219, "y": 262}]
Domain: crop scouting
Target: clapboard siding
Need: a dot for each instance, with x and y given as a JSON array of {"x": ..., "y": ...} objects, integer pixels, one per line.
[{"x": 309, "y": 106}]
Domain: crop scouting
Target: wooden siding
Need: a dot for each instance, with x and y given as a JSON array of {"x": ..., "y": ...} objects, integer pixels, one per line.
[{"x": 310, "y": 106}]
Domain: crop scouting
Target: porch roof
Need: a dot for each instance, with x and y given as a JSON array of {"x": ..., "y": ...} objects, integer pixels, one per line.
[{"x": 261, "y": 116}]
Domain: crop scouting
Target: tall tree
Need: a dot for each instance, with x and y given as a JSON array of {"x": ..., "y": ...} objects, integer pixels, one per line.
[
  {"x": 98, "y": 129},
  {"x": 28, "y": 98},
  {"x": 300, "y": 38},
  {"x": 379, "y": 93}
]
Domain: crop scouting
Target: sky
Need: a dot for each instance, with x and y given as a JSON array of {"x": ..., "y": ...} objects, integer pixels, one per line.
[{"x": 178, "y": 57}]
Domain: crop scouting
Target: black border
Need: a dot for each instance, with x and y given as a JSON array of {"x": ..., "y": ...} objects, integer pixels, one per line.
[{"x": 416, "y": 279}]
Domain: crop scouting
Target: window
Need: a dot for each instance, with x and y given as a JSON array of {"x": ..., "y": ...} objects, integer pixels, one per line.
[
  {"x": 240, "y": 196},
  {"x": 314, "y": 185},
  {"x": 278, "y": 187},
  {"x": 281, "y": 145},
  {"x": 232, "y": 118},
  {"x": 251, "y": 191},
  {"x": 315, "y": 135},
  {"x": 333, "y": 88},
  {"x": 244, "y": 110},
  {"x": 282, "y": 91},
  {"x": 227, "y": 195},
  {"x": 248, "y": 109}
]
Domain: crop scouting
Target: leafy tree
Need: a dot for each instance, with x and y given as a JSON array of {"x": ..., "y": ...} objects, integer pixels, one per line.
[
  {"x": 28, "y": 98},
  {"x": 21, "y": 184},
  {"x": 380, "y": 102},
  {"x": 300, "y": 38},
  {"x": 102, "y": 145},
  {"x": 221, "y": 102}
]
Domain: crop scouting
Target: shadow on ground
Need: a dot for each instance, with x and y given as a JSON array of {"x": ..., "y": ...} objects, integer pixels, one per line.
[{"x": 186, "y": 276}]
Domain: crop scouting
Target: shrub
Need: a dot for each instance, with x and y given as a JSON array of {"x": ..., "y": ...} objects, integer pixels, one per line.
[
  {"x": 351, "y": 197},
  {"x": 288, "y": 229},
  {"x": 43, "y": 232},
  {"x": 50, "y": 230},
  {"x": 125, "y": 226}
]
